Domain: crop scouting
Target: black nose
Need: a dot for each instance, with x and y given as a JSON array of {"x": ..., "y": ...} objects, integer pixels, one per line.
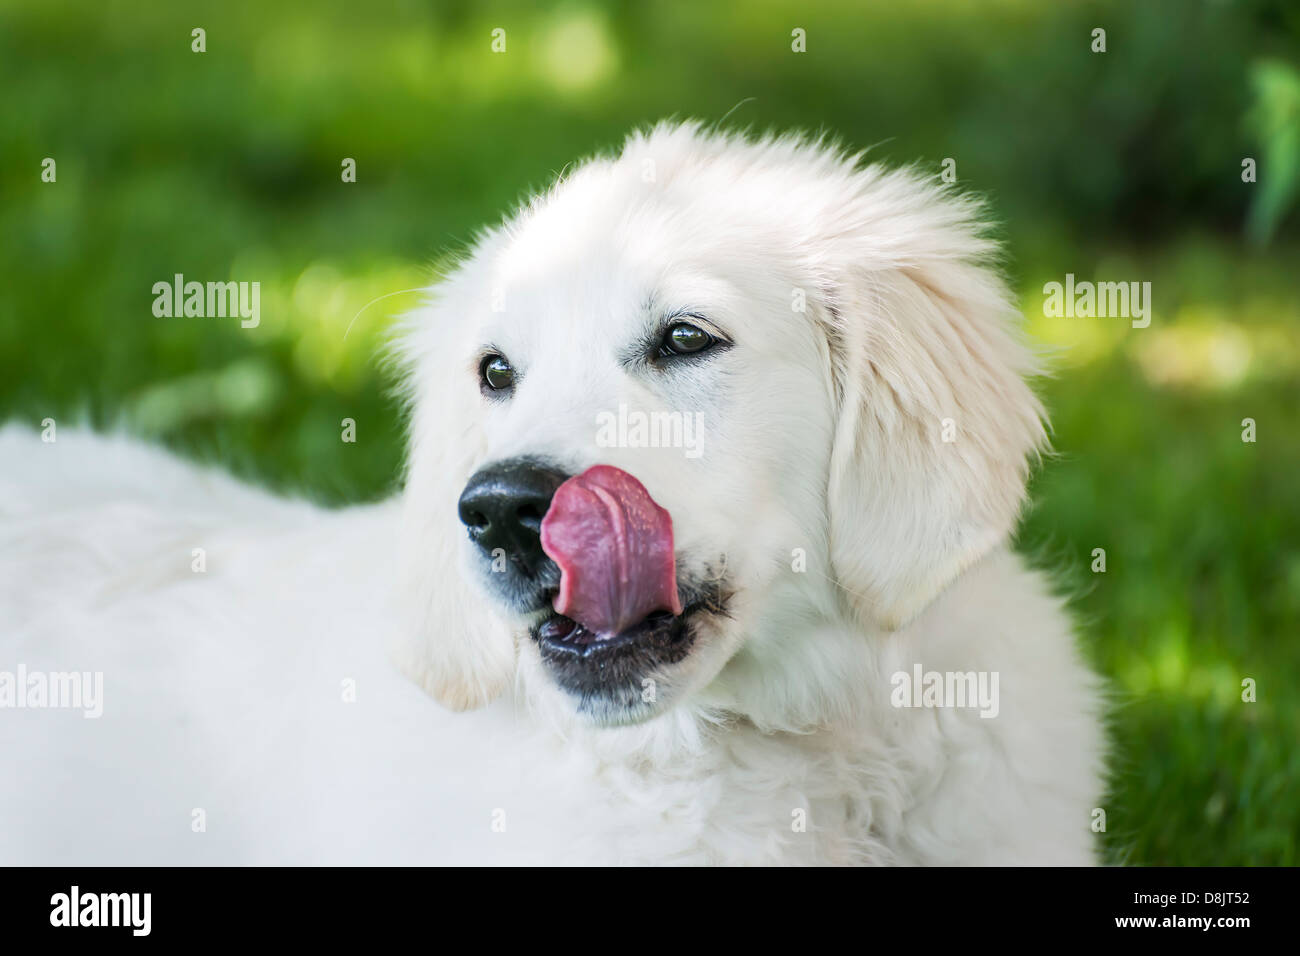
[{"x": 503, "y": 506}]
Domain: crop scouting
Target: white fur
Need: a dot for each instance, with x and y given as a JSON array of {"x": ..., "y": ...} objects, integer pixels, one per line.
[{"x": 823, "y": 433}]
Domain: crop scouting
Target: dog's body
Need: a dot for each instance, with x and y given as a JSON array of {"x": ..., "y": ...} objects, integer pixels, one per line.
[{"x": 250, "y": 713}]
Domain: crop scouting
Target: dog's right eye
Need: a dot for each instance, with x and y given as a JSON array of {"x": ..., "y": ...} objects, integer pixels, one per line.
[
  {"x": 496, "y": 373},
  {"x": 685, "y": 339}
]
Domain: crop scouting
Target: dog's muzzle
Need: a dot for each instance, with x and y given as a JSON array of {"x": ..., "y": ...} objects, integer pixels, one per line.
[{"x": 590, "y": 560}]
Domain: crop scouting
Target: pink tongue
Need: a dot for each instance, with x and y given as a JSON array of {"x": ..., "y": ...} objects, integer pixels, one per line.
[{"x": 614, "y": 546}]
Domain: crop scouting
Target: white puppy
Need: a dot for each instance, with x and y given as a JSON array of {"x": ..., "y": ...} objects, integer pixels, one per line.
[{"x": 780, "y": 625}]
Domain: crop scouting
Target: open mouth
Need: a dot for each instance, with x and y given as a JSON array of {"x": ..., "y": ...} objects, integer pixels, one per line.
[
  {"x": 621, "y": 611},
  {"x": 565, "y": 635},
  {"x": 609, "y": 673}
]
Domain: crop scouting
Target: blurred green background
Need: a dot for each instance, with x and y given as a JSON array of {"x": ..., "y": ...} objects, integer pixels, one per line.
[{"x": 1118, "y": 165}]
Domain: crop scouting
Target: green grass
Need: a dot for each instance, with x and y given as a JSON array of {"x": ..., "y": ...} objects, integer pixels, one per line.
[
  {"x": 225, "y": 165},
  {"x": 1201, "y": 590}
]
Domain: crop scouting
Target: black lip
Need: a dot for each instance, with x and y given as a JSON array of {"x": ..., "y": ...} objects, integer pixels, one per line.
[
  {"x": 606, "y": 674},
  {"x": 576, "y": 640}
]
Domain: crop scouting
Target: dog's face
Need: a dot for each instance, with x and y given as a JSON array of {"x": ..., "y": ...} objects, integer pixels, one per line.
[
  {"x": 640, "y": 340},
  {"x": 673, "y": 315}
]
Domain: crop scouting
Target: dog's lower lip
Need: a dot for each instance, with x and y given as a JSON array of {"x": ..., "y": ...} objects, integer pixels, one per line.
[{"x": 561, "y": 632}]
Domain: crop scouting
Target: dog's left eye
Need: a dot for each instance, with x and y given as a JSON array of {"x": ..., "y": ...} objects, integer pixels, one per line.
[
  {"x": 496, "y": 373},
  {"x": 682, "y": 338}
]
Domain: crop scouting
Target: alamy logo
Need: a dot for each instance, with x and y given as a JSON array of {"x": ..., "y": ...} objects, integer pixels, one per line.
[
  {"x": 637, "y": 429},
  {"x": 1102, "y": 300},
  {"x": 59, "y": 690},
  {"x": 973, "y": 689},
  {"x": 212, "y": 300},
  {"x": 103, "y": 909}
]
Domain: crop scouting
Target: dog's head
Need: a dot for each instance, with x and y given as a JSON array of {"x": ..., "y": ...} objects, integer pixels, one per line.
[{"x": 804, "y": 384}]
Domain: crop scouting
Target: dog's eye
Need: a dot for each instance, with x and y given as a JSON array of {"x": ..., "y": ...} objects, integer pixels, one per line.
[
  {"x": 685, "y": 339},
  {"x": 496, "y": 373}
]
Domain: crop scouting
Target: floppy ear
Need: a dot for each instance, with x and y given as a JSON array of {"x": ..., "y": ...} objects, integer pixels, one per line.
[
  {"x": 937, "y": 424},
  {"x": 452, "y": 643}
]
